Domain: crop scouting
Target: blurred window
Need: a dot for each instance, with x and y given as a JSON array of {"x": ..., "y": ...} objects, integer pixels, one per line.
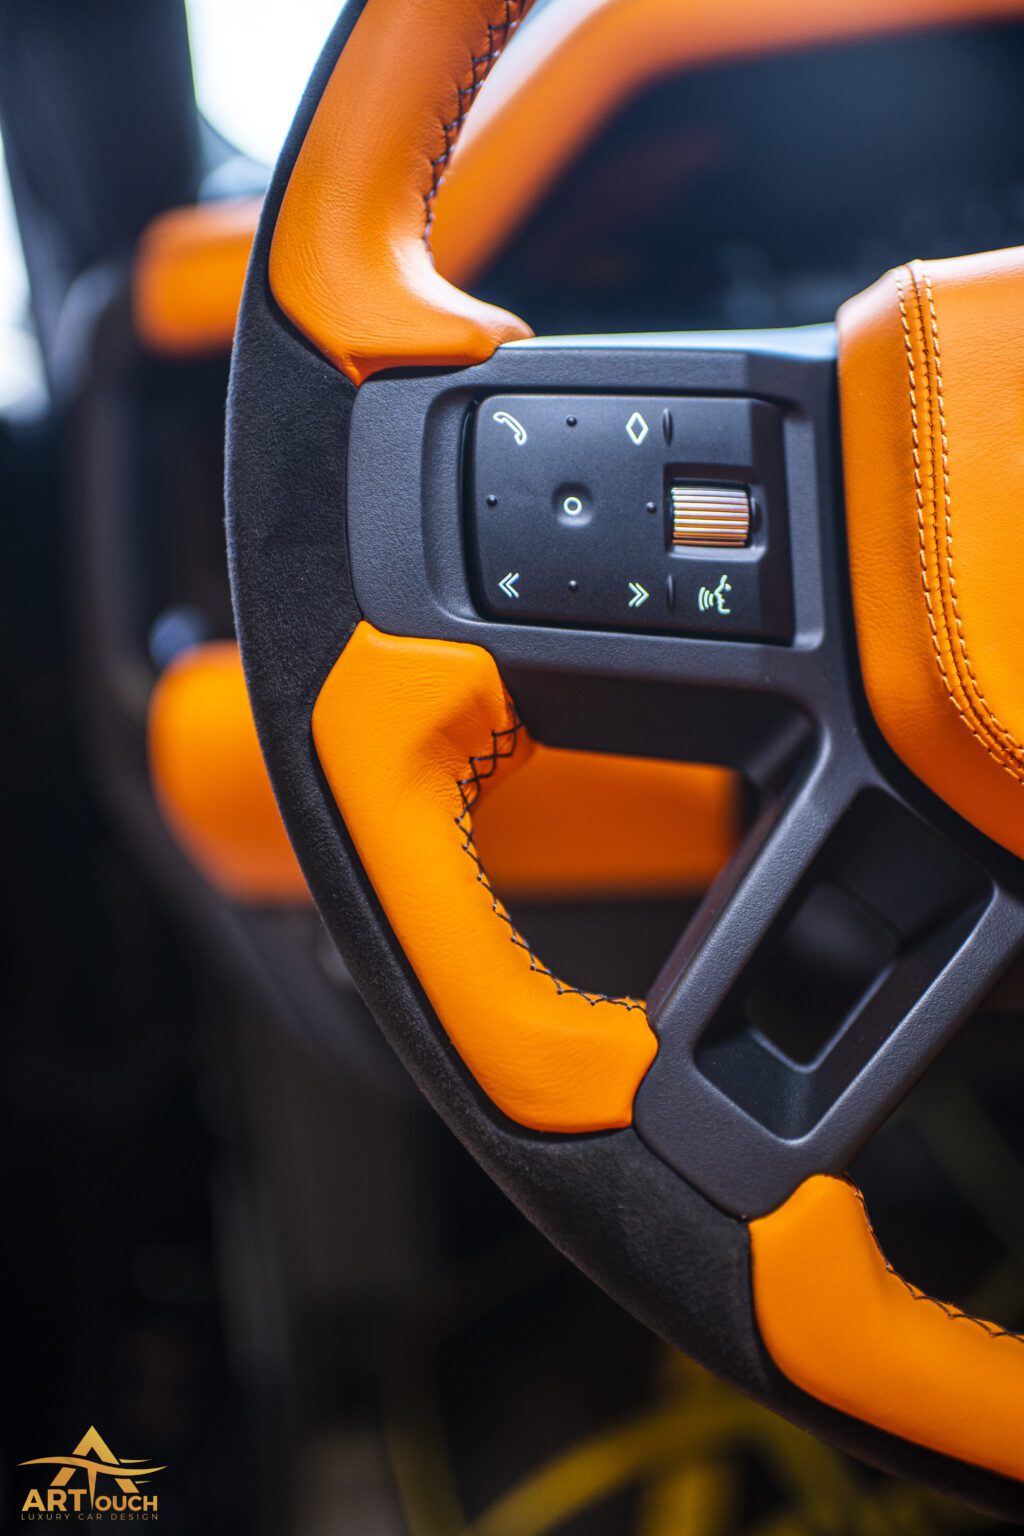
[
  {"x": 20, "y": 365},
  {"x": 252, "y": 60}
]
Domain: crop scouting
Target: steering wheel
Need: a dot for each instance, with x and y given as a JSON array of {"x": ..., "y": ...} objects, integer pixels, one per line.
[{"x": 449, "y": 540}]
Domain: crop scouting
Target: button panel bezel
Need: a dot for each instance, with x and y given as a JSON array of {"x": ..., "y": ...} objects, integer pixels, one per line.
[{"x": 611, "y": 563}]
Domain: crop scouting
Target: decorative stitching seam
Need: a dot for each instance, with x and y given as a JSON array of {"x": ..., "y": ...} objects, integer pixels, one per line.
[
  {"x": 980, "y": 699},
  {"x": 954, "y": 1314},
  {"x": 959, "y": 701},
  {"x": 503, "y": 745},
  {"x": 498, "y": 34},
  {"x": 960, "y": 695}
]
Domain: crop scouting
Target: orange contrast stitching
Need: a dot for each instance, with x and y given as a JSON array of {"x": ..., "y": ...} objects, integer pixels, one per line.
[
  {"x": 992, "y": 718},
  {"x": 987, "y": 729},
  {"x": 918, "y": 483}
]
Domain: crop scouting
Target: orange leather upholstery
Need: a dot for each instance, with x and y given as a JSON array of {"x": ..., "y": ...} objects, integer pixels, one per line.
[
  {"x": 210, "y": 781},
  {"x": 932, "y": 380},
  {"x": 350, "y": 264},
  {"x": 188, "y": 276},
  {"x": 842, "y": 1325},
  {"x": 435, "y": 730}
]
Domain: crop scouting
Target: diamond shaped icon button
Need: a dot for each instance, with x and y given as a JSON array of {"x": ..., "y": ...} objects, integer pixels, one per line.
[{"x": 637, "y": 428}]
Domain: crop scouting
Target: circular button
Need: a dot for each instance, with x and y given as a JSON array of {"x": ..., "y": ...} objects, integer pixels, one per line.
[{"x": 573, "y": 505}]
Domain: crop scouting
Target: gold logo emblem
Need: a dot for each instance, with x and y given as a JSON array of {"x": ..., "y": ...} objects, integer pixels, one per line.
[{"x": 93, "y": 1458}]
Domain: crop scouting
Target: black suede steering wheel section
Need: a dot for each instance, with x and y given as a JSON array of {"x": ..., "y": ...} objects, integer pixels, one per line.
[{"x": 605, "y": 1200}]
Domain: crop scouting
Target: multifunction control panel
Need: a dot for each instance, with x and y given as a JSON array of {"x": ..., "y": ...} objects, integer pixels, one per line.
[{"x": 631, "y": 512}]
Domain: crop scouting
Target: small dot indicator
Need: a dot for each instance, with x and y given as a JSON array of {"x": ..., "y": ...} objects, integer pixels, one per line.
[
  {"x": 492, "y": 501},
  {"x": 570, "y": 421},
  {"x": 574, "y": 586},
  {"x": 652, "y": 506}
]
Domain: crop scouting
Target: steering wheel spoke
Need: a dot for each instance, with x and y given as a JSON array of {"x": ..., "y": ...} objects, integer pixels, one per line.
[
  {"x": 836, "y": 955},
  {"x": 847, "y": 938}
]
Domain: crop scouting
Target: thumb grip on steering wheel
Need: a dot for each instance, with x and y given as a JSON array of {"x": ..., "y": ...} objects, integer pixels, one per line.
[
  {"x": 839, "y": 1320},
  {"x": 437, "y": 731}
]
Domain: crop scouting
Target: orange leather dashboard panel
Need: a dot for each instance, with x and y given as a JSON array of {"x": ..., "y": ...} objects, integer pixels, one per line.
[
  {"x": 350, "y": 264},
  {"x": 437, "y": 730},
  {"x": 845, "y": 1327},
  {"x": 932, "y": 380},
  {"x": 566, "y": 824}
]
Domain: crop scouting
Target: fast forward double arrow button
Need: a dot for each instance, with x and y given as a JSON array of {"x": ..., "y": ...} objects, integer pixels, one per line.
[{"x": 638, "y": 594}]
